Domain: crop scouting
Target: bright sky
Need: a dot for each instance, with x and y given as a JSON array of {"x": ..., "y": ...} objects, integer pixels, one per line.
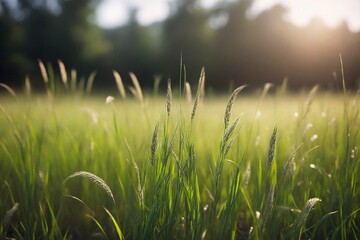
[{"x": 112, "y": 13}]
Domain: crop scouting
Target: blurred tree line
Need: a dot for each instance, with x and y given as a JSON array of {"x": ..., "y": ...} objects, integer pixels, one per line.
[{"x": 233, "y": 48}]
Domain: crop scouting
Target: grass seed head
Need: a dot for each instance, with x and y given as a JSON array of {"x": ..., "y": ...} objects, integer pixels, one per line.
[
  {"x": 230, "y": 104},
  {"x": 154, "y": 142},
  {"x": 109, "y": 99},
  {"x": 93, "y": 178},
  {"x": 301, "y": 218},
  {"x": 119, "y": 84},
  {"x": 43, "y": 72},
  {"x": 272, "y": 146},
  {"x": 63, "y": 73},
  {"x": 137, "y": 88},
  {"x": 198, "y": 93},
  {"x": 168, "y": 98},
  {"x": 188, "y": 92}
]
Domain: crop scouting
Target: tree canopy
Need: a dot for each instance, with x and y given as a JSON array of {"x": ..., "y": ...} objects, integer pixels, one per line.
[{"x": 232, "y": 47}]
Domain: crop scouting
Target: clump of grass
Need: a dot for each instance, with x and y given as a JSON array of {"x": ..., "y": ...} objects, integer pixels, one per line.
[{"x": 177, "y": 180}]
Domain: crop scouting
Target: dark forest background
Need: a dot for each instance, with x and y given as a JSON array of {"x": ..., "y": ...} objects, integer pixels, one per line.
[{"x": 243, "y": 50}]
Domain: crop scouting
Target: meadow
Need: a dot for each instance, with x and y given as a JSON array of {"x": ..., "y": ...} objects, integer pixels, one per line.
[{"x": 171, "y": 166}]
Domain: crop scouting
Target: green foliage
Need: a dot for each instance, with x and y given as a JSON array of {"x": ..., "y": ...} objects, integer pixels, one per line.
[{"x": 182, "y": 177}]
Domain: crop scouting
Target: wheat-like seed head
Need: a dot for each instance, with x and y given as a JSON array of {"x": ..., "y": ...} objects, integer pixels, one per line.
[
  {"x": 198, "y": 93},
  {"x": 109, "y": 99},
  {"x": 154, "y": 142},
  {"x": 63, "y": 73},
  {"x": 230, "y": 104},
  {"x": 93, "y": 178},
  {"x": 119, "y": 84},
  {"x": 188, "y": 92},
  {"x": 138, "y": 91},
  {"x": 168, "y": 98},
  {"x": 227, "y": 135},
  {"x": 43, "y": 72},
  {"x": 272, "y": 145},
  {"x": 309, "y": 206},
  {"x": 269, "y": 206}
]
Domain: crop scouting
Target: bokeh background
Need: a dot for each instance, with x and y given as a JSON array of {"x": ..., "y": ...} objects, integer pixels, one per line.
[{"x": 238, "y": 42}]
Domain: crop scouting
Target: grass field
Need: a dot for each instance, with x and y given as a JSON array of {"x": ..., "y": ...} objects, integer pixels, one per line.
[{"x": 255, "y": 166}]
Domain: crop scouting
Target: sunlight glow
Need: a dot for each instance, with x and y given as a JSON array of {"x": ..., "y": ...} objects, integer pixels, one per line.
[
  {"x": 152, "y": 13},
  {"x": 301, "y": 13},
  {"x": 113, "y": 13}
]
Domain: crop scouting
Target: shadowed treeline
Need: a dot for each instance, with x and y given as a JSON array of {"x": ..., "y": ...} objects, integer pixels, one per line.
[{"x": 233, "y": 48}]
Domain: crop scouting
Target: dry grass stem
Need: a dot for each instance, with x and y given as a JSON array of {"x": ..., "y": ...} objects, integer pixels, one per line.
[
  {"x": 9, "y": 89},
  {"x": 27, "y": 85},
  {"x": 90, "y": 82}
]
